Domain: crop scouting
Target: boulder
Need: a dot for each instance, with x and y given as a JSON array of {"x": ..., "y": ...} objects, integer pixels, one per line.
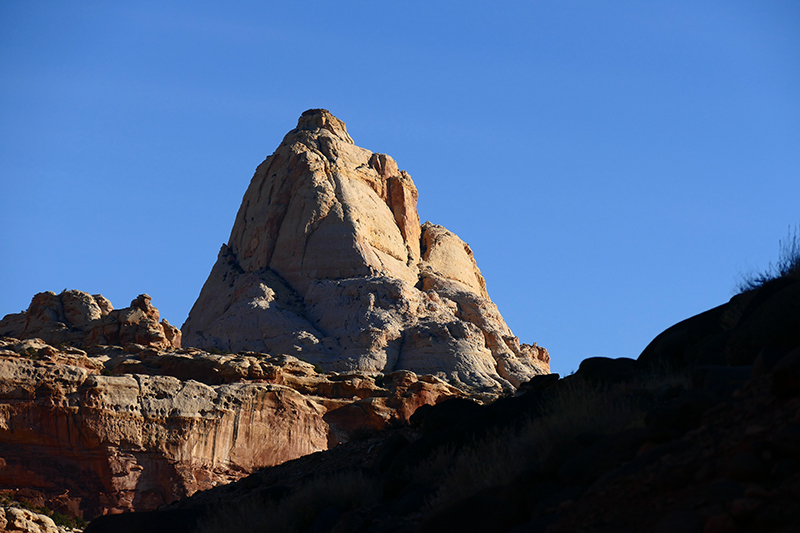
[{"x": 764, "y": 321}]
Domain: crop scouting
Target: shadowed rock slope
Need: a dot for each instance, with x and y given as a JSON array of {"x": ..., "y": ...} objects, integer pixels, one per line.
[
  {"x": 327, "y": 261},
  {"x": 697, "y": 436}
]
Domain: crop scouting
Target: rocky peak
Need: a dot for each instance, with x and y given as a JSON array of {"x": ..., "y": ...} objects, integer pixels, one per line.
[
  {"x": 322, "y": 208},
  {"x": 327, "y": 261},
  {"x": 322, "y": 119}
]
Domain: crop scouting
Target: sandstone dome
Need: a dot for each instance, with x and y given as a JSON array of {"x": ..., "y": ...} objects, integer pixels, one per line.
[{"x": 327, "y": 261}]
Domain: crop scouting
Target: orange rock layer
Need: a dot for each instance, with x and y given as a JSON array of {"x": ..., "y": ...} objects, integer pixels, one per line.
[{"x": 118, "y": 431}]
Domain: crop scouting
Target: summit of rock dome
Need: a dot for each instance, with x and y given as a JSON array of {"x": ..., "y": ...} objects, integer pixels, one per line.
[{"x": 315, "y": 119}]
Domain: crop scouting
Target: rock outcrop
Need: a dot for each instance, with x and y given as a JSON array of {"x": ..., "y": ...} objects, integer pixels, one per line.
[
  {"x": 82, "y": 320},
  {"x": 17, "y": 520},
  {"x": 327, "y": 261},
  {"x": 133, "y": 428},
  {"x": 757, "y": 326}
]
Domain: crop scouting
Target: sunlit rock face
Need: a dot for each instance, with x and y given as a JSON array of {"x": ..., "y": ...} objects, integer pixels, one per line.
[
  {"x": 116, "y": 431},
  {"x": 327, "y": 261},
  {"x": 83, "y": 320}
]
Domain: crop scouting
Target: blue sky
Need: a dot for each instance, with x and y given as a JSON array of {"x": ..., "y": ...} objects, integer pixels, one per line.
[{"x": 615, "y": 166}]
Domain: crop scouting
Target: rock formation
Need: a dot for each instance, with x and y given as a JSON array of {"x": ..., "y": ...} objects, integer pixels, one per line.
[
  {"x": 17, "y": 520},
  {"x": 755, "y": 327},
  {"x": 82, "y": 320},
  {"x": 134, "y": 427},
  {"x": 327, "y": 261}
]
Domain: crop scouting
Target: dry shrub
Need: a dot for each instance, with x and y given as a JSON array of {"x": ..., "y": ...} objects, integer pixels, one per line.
[
  {"x": 345, "y": 490},
  {"x": 787, "y": 266}
]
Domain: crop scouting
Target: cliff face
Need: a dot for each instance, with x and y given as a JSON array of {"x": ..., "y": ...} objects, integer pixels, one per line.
[
  {"x": 119, "y": 429},
  {"x": 327, "y": 261},
  {"x": 135, "y": 441}
]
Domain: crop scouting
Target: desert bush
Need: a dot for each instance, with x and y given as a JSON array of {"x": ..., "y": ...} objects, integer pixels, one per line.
[
  {"x": 343, "y": 490},
  {"x": 31, "y": 353},
  {"x": 787, "y": 265},
  {"x": 72, "y": 522}
]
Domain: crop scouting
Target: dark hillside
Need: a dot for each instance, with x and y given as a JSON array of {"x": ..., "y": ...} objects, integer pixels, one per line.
[{"x": 702, "y": 433}]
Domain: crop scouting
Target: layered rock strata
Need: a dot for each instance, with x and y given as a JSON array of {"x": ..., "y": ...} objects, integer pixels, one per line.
[
  {"x": 327, "y": 261},
  {"x": 134, "y": 428}
]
